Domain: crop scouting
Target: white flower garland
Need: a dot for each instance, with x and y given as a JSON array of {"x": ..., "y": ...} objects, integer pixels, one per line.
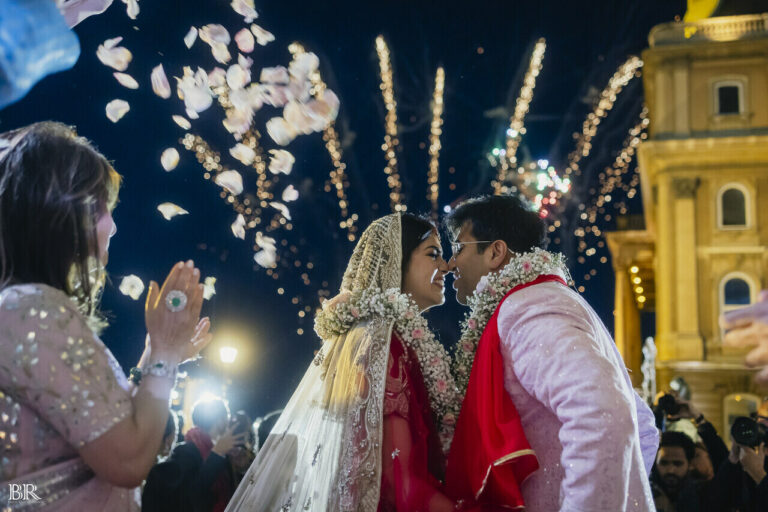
[
  {"x": 523, "y": 268},
  {"x": 412, "y": 327}
]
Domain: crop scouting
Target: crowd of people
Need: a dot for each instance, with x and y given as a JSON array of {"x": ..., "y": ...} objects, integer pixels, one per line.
[
  {"x": 701, "y": 473},
  {"x": 541, "y": 413}
]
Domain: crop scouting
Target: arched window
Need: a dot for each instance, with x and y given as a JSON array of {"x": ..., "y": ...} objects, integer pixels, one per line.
[
  {"x": 737, "y": 290},
  {"x": 732, "y": 207},
  {"x": 729, "y": 97}
]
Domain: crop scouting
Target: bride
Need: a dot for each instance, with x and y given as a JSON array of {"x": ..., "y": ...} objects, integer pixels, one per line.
[{"x": 368, "y": 425}]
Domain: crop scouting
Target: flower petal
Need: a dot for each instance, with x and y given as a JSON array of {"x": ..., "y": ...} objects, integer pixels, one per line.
[
  {"x": 132, "y": 8},
  {"x": 160, "y": 82},
  {"x": 281, "y": 162},
  {"x": 245, "y": 41},
  {"x": 290, "y": 194},
  {"x": 231, "y": 181},
  {"x": 132, "y": 286},
  {"x": 170, "y": 210},
  {"x": 275, "y": 75},
  {"x": 238, "y": 227},
  {"x": 243, "y": 153},
  {"x": 246, "y": 9},
  {"x": 280, "y": 131},
  {"x": 263, "y": 37},
  {"x": 284, "y": 211},
  {"x": 191, "y": 37},
  {"x": 169, "y": 159},
  {"x": 237, "y": 77},
  {"x": 126, "y": 80},
  {"x": 266, "y": 242},
  {"x": 182, "y": 121},
  {"x": 209, "y": 287},
  {"x": 114, "y": 56},
  {"x": 266, "y": 259},
  {"x": 116, "y": 109}
]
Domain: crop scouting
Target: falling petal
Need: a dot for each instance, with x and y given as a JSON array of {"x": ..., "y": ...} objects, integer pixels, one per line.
[
  {"x": 209, "y": 287},
  {"x": 281, "y": 161},
  {"x": 126, "y": 80},
  {"x": 245, "y": 62},
  {"x": 182, "y": 121},
  {"x": 237, "y": 77},
  {"x": 218, "y": 38},
  {"x": 238, "y": 227},
  {"x": 192, "y": 114},
  {"x": 263, "y": 37},
  {"x": 232, "y": 181},
  {"x": 170, "y": 210},
  {"x": 266, "y": 259},
  {"x": 280, "y": 131},
  {"x": 217, "y": 77},
  {"x": 214, "y": 33},
  {"x": 237, "y": 122},
  {"x": 169, "y": 159},
  {"x": 190, "y": 38},
  {"x": 246, "y": 9},
  {"x": 284, "y": 211},
  {"x": 265, "y": 242},
  {"x": 114, "y": 56},
  {"x": 243, "y": 153},
  {"x": 160, "y": 82},
  {"x": 290, "y": 194},
  {"x": 132, "y": 8},
  {"x": 298, "y": 117},
  {"x": 195, "y": 91},
  {"x": 116, "y": 109},
  {"x": 220, "y": 53},
  {"x": 276, "y": 75},
  {"x": 132, "y": 286},
  {"x": 303, "y": 64},
  {"x": 244, "y": 40}
]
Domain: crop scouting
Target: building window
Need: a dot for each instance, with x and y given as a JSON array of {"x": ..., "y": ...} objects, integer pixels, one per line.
[
  {"x": 733, "y": 207},
  {"x": 729, "y": 97},
  {"x": 736, "y": 292}
]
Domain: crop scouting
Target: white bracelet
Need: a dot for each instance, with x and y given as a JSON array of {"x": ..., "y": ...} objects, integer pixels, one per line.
[{"x": 160, "y": 368}]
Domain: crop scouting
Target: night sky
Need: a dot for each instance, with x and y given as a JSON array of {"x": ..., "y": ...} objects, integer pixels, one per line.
[{"x": 484, "y": 47}]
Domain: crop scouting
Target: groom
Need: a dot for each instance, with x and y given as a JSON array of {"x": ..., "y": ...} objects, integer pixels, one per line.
[{"x": 540, "y": 359}]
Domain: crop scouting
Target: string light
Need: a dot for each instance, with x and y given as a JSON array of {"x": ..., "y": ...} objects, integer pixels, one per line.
[
  {"x": 626, "y": 72},
  {"x": 436, "y": 130},
  {"x": 390, "y": 128},
  {"x": 338, "y": 178},
  {"x": 516, "y": 127}
]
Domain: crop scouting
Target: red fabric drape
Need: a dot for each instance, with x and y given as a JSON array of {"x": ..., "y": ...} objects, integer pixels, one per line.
[
  {"x": 490, "y": 456},
  {"x": 412, "y": 461}
]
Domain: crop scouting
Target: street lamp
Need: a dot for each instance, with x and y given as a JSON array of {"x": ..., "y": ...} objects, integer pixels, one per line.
[{"x": 228, "y": 354}]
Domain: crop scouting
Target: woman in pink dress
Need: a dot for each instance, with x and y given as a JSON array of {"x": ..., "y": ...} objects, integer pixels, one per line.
[{"x": 74, "y": 434}]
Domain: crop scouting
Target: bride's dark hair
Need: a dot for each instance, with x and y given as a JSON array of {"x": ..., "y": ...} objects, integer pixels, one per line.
[
  {"x": 54, "y": 186},
  {"x": 414, "y": 230}
]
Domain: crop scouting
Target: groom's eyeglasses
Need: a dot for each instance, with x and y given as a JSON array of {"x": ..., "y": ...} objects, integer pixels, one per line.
[{"x": 456, "y": 247}]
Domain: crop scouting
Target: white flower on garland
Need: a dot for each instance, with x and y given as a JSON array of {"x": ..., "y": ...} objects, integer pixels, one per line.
[
  {"x": 412, "y": 327},
  {"x": 491, "y": 288}
]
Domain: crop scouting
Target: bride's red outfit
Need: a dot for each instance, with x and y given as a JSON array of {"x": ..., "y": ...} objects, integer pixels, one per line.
[{"x": 412, "y": 461}]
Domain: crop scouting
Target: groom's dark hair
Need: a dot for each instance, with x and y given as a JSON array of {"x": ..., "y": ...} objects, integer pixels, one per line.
[{"x": 507, "y": 218}]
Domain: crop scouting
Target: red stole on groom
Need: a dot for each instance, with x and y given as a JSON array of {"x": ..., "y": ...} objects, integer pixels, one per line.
[{"x": 490, "y": 456}]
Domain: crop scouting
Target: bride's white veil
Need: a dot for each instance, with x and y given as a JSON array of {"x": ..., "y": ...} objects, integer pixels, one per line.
[{"x": 324, "y": 453}]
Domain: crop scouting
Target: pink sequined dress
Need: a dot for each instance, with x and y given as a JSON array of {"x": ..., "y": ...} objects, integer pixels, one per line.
[{"x": 60, "y": 388}]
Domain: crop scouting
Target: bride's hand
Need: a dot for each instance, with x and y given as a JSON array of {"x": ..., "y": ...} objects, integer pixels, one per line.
[{"x": 341, "y": 298}]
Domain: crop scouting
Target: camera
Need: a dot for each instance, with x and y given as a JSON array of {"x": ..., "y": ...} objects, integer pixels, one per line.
[
  {"x": 748, "y": 432},
  {"x": 668, "y": 404}
]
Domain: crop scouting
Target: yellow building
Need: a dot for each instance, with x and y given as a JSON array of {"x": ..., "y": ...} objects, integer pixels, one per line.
[{"x": 704, "y": 178}]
